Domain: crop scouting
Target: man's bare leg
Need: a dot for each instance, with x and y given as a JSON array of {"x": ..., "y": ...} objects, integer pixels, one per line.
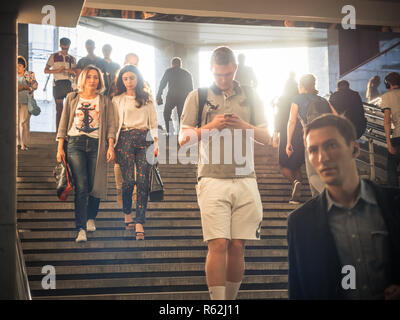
[
  {"x": 216, "y": 268},
  {"x": 59, "y": 109},
  {"x": 234, "y": 267}
]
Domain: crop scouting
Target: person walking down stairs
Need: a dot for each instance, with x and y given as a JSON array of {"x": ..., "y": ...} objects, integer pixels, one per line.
[
  {"x": 137, "y": 120},
  {"x": 87, "y": 123}
]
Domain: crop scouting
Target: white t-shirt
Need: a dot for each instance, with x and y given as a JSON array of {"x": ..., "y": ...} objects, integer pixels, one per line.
[
  {"x": 58, "y": 60},
  {"x": 391, "y": 100},
  {"x": 86, "y": 119},
  {"x": 144, "y": 117}
]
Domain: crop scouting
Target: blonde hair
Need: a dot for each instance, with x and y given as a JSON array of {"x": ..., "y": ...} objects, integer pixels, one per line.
[{"x": 83, "y": 76}]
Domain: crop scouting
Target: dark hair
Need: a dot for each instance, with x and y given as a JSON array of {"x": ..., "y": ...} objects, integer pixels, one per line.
[
  {"x": 22, "y": 61},
  {"x": 65, "y": 41},
  {"x": 340, "y": 122},
  {"x": 107, "y": 46},
  {"x": 223, "y": 56},
  {"x": 176, "y": 61},
  {"x": 393, "y": 78},
  {"x": 343, "y": 84},
  {"x": 142, "y": 97},
  {"x": 89, "y": 42}
]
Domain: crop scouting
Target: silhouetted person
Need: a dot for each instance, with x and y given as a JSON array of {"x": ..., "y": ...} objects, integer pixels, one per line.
[
  {"x": 304, "y": 107},
  {"x": 348, "y": 102},
  {"x": 180, "y": 84},
  {"x": 132, "y": 58},
  {"x": 111, "y": 69},
  {"x": 289, "y": 166},
  {"x": 372, "y": 88},
  {"x": 244, "y": 74},
  {"x": 90, "y": 59}
]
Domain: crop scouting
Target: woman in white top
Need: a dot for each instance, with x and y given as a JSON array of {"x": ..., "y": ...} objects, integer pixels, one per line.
[
  {"x": 137, "y": 131},
  {"x": 89, "y": 125},
  {"x": 26, "y": 85}
]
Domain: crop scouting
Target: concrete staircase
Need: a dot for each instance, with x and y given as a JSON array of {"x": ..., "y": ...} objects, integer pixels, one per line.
[{"x": 169, "y": 264}]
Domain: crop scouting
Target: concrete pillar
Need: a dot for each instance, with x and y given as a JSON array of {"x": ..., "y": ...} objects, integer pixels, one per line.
[
  {"x": 23, "y": 42},
  {"x": 318, "y": 64},
  {"x": 191, "y": 62},
  {"x": 333, "y": 58},
  {"x": 8, "y": 93}
]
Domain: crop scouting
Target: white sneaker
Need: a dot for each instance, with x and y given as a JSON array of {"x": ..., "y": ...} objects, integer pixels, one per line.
[
  {"x": 90, "y": 226},
  {"x": 81, "y": 236},
  {"x": 296, "y": 193}
]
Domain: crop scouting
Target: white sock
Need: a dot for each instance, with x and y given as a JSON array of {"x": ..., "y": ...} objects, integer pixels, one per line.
[
  {"x": 217, "y": 292},
  {"x": 232, "y": 289}
]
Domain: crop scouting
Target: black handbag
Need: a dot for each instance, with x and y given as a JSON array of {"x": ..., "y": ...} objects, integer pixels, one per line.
[
  {"x": 156, "y": 186},
  {"x": 63, "y": 176}
]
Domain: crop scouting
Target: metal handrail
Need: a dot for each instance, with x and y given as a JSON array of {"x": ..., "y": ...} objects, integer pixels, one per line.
[
  {"x": 23, "y": 289},
  {"x": 374, "y": 133}
]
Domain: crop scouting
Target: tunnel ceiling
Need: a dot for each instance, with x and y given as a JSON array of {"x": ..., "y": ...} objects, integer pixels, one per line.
[{"x": 207, "y": 34}]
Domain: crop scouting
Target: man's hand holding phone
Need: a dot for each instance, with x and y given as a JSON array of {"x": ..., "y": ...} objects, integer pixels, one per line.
[{"x": 233, "y": 121}]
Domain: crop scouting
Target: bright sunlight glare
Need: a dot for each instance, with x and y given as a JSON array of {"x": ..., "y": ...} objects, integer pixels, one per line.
[{"x": 271, "y": 67}]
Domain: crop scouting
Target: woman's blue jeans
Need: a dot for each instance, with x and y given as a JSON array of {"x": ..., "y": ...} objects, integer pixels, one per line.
[{"x": 82, "y": 158}]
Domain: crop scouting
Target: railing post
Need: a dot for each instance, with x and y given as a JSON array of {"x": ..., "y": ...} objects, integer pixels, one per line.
[{"x": 371, "y": 159}]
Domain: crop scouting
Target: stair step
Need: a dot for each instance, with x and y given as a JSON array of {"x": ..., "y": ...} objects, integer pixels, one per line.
[
  {"x": 150, "y": 206},
  {"x": 169, "y": 264},
  {"x": 187, "y": 295},
  {"x": 151, "y": 267},
  {"x": 151, "y": 282},
  {"x": 129, "y": 235},
  {"x": 118, "y": 224},
  {"x": 109, "y": 244},
  {"x": 153, "y": 214}
]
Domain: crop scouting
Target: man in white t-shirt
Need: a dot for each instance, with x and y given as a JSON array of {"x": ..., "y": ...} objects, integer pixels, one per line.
[
  {"x": 62, "y": 65},
  {"x": 390, "y": 105}
]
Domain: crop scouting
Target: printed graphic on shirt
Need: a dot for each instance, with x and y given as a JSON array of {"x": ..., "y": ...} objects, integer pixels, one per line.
[
  {"x": 58, "y": 60},
  {"x": 87, "y": 117}
]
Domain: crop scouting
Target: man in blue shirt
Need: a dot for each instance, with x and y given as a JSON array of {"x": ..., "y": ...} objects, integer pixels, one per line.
[{"x": 352, "y": 224}]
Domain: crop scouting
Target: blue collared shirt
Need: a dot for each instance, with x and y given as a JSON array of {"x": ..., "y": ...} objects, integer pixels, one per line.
[{"x": 361, "y": 240}]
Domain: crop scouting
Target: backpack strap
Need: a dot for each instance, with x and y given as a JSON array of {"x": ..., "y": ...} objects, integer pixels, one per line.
[
  {"x": 249, "y": 94},
  {"x": 202, "y": 95}
]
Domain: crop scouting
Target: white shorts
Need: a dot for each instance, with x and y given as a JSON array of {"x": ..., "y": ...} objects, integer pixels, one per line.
[{"x": 230, "y": 208}]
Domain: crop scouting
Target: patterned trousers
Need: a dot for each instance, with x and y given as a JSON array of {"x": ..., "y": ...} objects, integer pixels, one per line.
[{"x": 130, "y": 150}]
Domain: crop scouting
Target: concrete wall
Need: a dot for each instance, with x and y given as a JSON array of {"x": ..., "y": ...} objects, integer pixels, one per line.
[
  {"x": 8, "y": 90},
  {"x": 359, "y": 78},
  {"x": 319, "y": 65},
  {"x": 381, "y": 66},
  {"x": 333, "y": 58},
  {"x": 23, "y": 42}
]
